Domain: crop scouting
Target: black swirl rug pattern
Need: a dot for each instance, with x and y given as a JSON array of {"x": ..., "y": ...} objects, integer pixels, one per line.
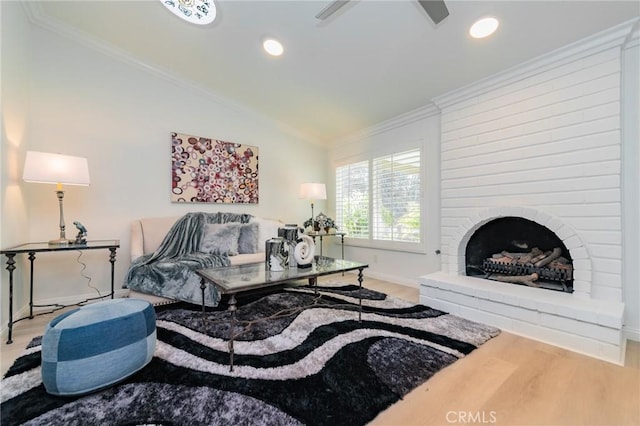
[{"x": 317, "y": 366}]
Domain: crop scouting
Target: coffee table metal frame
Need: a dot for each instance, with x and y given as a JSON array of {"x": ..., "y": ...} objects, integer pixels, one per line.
[{"x": 231, "y": 280}]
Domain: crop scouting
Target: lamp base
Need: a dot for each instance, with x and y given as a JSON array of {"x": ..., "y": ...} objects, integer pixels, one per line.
[{"x": 60, "y": 242}]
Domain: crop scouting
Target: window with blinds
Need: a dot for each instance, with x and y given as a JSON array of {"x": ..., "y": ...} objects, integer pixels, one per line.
[
  {"x": 352, "y": 199},
  {"x": 380, "y": 199},
  {"x": 396, "y": 197}
]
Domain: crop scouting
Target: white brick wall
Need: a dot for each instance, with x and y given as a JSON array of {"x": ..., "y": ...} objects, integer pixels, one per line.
[
  {"x": 542, "y": 142},
  {"x": 548, "y": 141}
]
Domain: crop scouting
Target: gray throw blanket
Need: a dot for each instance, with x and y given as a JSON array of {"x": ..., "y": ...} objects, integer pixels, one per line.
[{"x": 170, "y": 270}]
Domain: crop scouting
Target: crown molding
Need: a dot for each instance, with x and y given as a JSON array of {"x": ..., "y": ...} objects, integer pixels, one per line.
[
  {"x": 633, "y": 38},
  {"x": 404, "y": 119},
  {"x": 33, "y": 10},
  {"x": 612, "y": 37},
  {"x": 38, "y": 17}
]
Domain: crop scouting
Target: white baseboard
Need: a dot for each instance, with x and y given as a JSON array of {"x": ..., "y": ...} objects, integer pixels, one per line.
[
  {"x": 390, "y": 278},
  {"x": 77, "y": 298},
  {"x": 384, "y": 277},
  {"x": 631, "y": 334}
]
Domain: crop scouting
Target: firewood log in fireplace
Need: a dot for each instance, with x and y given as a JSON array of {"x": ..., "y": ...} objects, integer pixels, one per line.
[
  {"x": 526, "y": 258},
  {"x": 535, "y": 257},
  {"x": 539, "y": 257},
  {"x": 556, "y": 253},
  {"x": 520, "y": 258},
  {"x": 527, "y": 268},
  {"x": 519, "y": 279}
]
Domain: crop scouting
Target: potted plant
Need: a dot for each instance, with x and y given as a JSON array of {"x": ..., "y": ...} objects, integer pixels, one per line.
[
  {"x": 329, "y": 224},
  {"x": 322, "y": 223}
]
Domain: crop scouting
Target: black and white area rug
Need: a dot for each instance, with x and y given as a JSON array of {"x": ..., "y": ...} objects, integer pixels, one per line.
[{"x": 318, "y": 366}]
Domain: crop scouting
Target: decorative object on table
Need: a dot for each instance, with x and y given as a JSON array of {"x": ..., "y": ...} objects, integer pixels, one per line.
[
  {"x": 276, "y": 254},
  {"x": 308, "y": 225},
  {"x": 200, "y": 12},
  {"x": 329, "y": 224},
  {"x": 322, "y": 224},
  {"x": 97, "y": 345},
  {"x": 291, "y": 234},
  {"x": 304, "y": 251},
  {"x": 213, "y": 171},
  {"x": 312, "y": 192},
  {"x": 81, "y": 238},
  {"x": 306, "y": 377},
  {"x": 43, "y": 167}
]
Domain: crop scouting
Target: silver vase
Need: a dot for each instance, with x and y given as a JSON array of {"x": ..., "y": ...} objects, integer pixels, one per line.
[{"x": 276, "y": 254}]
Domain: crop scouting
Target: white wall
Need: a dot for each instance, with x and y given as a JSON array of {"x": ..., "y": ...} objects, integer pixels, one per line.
[
  {"x": 86, "y": 101},
  {"x": 15, "y": 39},
  {"x": 631, "y": 183},
  {"x": 418, "y": 128}
]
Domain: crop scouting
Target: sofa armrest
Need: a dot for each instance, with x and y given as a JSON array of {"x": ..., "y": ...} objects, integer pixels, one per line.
[
  {"x": 137, "y": 241},
  {"x": 243, "y": 259},
  {"x": 147, "y": 234}
]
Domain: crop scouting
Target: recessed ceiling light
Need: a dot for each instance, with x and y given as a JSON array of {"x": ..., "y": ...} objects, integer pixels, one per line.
[
  {"x": 273, "y": 47},
  {"x": 201, "y": 12},
  {"x": 484, "y": 27}
]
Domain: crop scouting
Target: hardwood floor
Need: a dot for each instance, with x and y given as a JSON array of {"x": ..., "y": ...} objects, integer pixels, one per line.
[{"x": 509, "y": 380}]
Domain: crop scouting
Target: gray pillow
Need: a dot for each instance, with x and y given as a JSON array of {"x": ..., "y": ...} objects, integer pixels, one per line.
[
  {"x": 221, "y": 238},
  {"x": 248, "y": 241}
]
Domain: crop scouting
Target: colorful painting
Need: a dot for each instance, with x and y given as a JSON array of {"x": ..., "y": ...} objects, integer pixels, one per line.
[{"x": 212, "y": 171}]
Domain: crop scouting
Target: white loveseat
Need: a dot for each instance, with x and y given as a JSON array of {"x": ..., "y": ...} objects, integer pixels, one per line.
[{"x": 147, "y": 235}]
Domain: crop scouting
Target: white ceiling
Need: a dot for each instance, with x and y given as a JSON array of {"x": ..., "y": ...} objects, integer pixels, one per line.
[{"x": 369, "y": 62}]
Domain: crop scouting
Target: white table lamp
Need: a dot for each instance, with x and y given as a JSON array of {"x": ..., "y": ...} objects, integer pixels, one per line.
[
  {"x": 312, "y": 192},
  {"x": 43, "y": 167}
]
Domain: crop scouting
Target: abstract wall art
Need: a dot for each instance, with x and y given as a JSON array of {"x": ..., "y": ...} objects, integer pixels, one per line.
[{"x": 212, "y": 171}]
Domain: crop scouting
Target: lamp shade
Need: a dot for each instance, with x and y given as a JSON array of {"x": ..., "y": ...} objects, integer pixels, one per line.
[
  {"x": 313, "y": 191},
  {"x": 44, "y": 167}
]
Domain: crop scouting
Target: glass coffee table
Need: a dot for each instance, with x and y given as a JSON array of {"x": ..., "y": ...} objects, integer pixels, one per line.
[{"x": 231, "y": 280}]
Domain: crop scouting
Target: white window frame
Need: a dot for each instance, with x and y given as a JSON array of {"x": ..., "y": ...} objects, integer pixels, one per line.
[{"x": 370, "y": 242}]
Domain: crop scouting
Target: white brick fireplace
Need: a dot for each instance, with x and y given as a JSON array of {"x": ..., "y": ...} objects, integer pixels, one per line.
[
  {"x": 575, "y": 320},
  {"x": 540, "y": 142}
]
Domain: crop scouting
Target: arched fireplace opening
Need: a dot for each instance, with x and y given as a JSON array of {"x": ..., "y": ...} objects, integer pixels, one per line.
[{"x": 519, "y": 251}]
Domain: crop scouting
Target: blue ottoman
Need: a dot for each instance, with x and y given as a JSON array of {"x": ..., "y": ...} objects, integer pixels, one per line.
[{"x": 97, "y": 345}]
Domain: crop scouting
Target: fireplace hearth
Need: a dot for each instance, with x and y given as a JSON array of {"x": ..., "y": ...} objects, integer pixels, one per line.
[
  {"x": 573, "y": 319},
  {"x": 519, "y": 251}
]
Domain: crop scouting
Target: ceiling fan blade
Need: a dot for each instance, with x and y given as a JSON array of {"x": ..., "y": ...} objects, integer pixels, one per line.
[
  {"x": 436, "y": 9},
  {"x": 331, "y": 9}
]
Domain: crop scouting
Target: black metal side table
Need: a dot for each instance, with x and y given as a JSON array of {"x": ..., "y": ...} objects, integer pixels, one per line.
[
  {"x": 317, "y": 234},
  {"x": 32, "y": 249}
]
